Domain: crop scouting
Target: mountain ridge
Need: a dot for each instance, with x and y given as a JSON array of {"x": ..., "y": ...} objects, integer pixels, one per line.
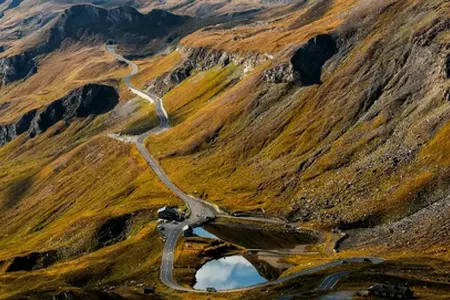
[{"x": 84, "y": 22}]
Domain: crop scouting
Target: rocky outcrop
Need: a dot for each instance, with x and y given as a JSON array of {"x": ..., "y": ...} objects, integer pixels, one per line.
[
  {"x": 33, "y": 261},
  {"x": 206, "y": 58},
  {"x": 165, "y": 83},
  {"x": 113, "y": 230},
  {"x": 10, "y": 131},
  {"x": 85, "y": 22},
  {"x": 202, "y": 59},
  {"x": 282, "y": 73},
  {"x": 91, "y": 99},
  {"x": 305, "y": 67},
  {"x": 17, "y": 67},
  {"x": 309, "y": 59}
]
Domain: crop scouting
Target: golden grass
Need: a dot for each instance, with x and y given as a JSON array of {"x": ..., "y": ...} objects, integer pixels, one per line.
[
  {"x": 239, "y": 145},
  {"x": 436, "y": 151},
  {"x": 58, "y": 74},
  {"x": 275, "y": 36},
  {"x": 155, "y": 67},
  {"x": 257, "y": 146}
]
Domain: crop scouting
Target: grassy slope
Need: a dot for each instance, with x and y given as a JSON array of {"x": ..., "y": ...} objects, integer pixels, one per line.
[
  {"x": 320, "y": 147},
  {"x": 277, "y": 33},
  {"x": 56, "y": 197},
  {"x": 58, "y": 74},
  {"x": 59, "y": 188},
  {"x": 241, "y": 145}
]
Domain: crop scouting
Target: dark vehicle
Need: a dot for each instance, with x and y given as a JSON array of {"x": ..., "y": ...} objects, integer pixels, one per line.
[
  {"x": 169, "y": 213},
  {"x": 390, "y": 291},
  {"x": 211, "y": 290},
  {"x": 149, "y": 290}
]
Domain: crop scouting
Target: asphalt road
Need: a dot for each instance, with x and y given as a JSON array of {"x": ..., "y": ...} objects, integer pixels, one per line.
[
  {"x": 200, "y": 209},
  {"x": 327, "y": 284}
]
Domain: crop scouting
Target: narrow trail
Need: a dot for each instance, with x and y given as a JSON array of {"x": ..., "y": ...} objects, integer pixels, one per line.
[{"x": 199, "y": 208}]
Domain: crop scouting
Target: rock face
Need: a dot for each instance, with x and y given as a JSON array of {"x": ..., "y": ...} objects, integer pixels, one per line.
[
  {"x": 281, "y": 74},
  {"x": 113, "y": 231},
  {"x": 122, "y": 23},
  {"x": 310, "y": 58},
  {"x": 16, "y": 67},
  {"x": 164, "y": 84},
  {"x": 32, "y": 261},
  {"x": 91, "y": 99},
  {"x": 305, "y": 67},
  {"x": 84, "y": 22},
  {"x": 202, "y": 59},
  {"x": 206, "y": 58}
]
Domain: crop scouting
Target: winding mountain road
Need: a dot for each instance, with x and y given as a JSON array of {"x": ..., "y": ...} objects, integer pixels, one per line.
[{"x": 200, "y": 209}]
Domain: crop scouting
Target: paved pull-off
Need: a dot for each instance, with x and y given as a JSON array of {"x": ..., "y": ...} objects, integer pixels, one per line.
[{"x": 199, "y": 209}]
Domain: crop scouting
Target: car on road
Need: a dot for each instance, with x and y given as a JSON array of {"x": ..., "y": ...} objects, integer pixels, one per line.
[
  {"x": 366, "y": 260},
  {"x": 160, "y": 227},
  {"x": 211, "y": 290},
  {"x": 344, "y": 262},
  {"x": 174, "y": 222}
]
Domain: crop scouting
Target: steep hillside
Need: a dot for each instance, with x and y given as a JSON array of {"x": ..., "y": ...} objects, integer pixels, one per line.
[
  {"x": 349, "y": 145},
  {"x": 331, "y": 115},
  {"x": 89, "y": 100}
]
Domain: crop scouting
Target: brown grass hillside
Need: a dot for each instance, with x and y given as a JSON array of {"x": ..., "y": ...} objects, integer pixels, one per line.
[
  {"x": 59, "y": 73},
  {"x": 358, "y": 150},
  {"x": 366, "y": 150}
]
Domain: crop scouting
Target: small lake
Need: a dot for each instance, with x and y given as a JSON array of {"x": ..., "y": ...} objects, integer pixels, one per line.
[
  {"x": 201, "y": 232},
  {"x": 227, "y": 273},
  {"x": 259, "y": 238}
]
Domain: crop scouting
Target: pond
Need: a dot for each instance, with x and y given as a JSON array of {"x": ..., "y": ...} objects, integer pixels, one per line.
[
  {"x": 259, "y": 238},
  {"x": 227, "y": 273},
  {"x": 262, "y": 263},
  {"x": 201, "y": 232}
]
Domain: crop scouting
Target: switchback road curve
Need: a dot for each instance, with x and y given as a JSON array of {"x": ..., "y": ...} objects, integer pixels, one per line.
[{"x": 200, "y": 209}]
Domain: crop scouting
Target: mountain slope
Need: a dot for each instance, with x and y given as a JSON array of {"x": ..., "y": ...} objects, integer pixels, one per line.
[
  {"x": 352, "y": 150},
  {"x": 333, "y": 115},
  {"x": 86, "y": 22}
]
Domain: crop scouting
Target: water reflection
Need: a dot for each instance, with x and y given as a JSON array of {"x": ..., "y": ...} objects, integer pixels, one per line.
[
  {"x": 342, "y": 295},
  {"x": 227, "y": 273},
  {"x": 200, "y": 231}
]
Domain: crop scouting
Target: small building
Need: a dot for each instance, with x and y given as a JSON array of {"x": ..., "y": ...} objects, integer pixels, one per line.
[
  {"x": 188, "y": 231},
  {"x": 169, "y": 213},
  {"x": 390, "y": 291}
]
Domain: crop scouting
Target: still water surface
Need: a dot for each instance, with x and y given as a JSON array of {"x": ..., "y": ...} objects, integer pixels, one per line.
[
  {"x": 200, "y": 231},
  {"x": 227, "y": 273}
]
